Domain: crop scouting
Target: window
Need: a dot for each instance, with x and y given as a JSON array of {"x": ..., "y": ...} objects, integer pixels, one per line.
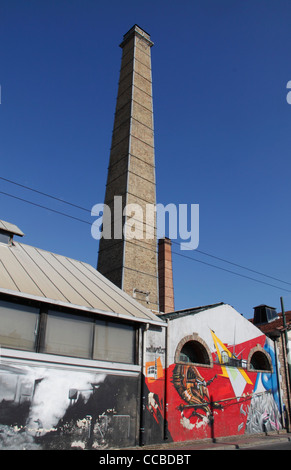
[
  {"x": 264, "y": 314},
  {"x": 260, "y": 361},
  {"x": 77, "y": 336},
  {"x": 5, "y": 238},
  {"x": 114, "y": 342},
  {"x": 68, "y": 335},
  {"x": 225, "y": 358},
  {"x": 18, "y": 326},
  {"x": 194, "y": 351}
]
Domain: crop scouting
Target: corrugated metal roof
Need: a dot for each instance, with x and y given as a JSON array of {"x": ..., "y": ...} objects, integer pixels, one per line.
[{"x": 30, "y": 272}]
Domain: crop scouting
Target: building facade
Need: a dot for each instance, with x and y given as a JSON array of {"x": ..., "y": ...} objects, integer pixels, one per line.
[
  {"x": 72, "y": 353},
  {"x": 214, "y": 375},
  {"x": 85, "y": 361},
  {"x": 85, "y": 366},
  {"x": 277, "y": 326}
]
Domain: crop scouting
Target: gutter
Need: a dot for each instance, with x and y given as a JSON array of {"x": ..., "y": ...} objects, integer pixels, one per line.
[{"x": 81, "y": 308}]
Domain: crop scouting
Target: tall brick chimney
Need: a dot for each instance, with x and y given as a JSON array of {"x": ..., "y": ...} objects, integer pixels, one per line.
[
  {"x": 131, "y": 264},
  {"x": 166, "y": 287}
]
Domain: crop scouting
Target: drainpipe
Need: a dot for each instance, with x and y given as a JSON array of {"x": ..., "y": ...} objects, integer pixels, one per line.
[
  {"x": 166, "y": 382},
  {"x": 287, "y": 351},
  {"x": 143, "y": 388}
]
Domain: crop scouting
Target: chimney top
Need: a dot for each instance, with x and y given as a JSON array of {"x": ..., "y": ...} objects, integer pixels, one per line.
[
  {"x": 138, "y": 31},
  {"x": 164, "y": 240}
]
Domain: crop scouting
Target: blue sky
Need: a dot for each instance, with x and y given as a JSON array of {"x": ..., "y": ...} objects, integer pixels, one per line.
[{"x": 222, "y": 131}]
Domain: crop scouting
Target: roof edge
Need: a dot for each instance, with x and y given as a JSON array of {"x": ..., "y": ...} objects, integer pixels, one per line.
[
  {"x": 189, "y": 311},
  {"x": 82, "y": 308}
]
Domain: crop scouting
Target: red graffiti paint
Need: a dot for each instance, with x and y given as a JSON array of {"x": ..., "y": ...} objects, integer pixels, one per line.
[{"x": 206, "y": 401}]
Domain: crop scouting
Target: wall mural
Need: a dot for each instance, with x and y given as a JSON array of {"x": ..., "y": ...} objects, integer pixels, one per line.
[
  {"x": 224, "y": 399},
  {"x": 51, "y": 408},
  {"x": 44, "y": 406},
  {"x": 193, "y": 390}
]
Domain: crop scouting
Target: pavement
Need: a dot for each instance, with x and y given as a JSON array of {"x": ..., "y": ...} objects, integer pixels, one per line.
[{"x": 222, "y": 443}]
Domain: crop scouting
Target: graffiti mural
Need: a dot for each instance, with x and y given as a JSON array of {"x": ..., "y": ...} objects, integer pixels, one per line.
[
  {"x": 226, "y": 396},
  {"x": 193, "y": 389},
  {"x": 209, "y": 383},
  {"x": 264, "y": 412},
  {"x": 51, "y": 408}
]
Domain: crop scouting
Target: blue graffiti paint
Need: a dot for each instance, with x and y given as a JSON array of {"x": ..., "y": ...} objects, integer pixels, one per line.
[{"x": 269, "y": 380}]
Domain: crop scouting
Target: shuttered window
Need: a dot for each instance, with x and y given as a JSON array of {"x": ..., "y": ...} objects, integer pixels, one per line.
[
  {"x": 114, "y": 342},
  {"x": 68, "y": 335},
  {"x": 18, "y": 326}
]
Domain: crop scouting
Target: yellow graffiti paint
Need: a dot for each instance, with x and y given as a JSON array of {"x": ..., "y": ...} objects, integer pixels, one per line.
[{"x": 225, "y": 373}]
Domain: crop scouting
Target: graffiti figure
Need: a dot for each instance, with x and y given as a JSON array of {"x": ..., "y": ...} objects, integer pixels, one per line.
[{"x": 192, "y": 387}]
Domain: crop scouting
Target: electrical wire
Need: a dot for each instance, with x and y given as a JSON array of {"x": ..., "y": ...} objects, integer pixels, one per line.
[
  {"x": 88, "y": 210},
  {"x": 231, "y": 272},
  {"x": 173, "y": 252},
  {"x": 44, "y": 194},
  {"x": 44, "y": 207},
  {"x": 238, "y": 265}
]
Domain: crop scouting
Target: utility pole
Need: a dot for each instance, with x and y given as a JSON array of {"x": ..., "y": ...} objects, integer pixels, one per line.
[{"x": 287, "y": 349}]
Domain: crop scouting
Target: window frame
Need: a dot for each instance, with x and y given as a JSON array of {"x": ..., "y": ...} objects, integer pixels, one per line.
[
  {"x": 195, "y": 338},
  {"x": 56, "y": 315},
  {"x": 45, "y": 310},
  {"x": 259, "y": 349},
  {"x": 124, "y": 325},
  {"x": 5, "y": 238},
  {"x": 22, "y": 306}
]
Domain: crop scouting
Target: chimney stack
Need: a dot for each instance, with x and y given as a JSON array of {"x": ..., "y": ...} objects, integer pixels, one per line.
[
  {"x": 131, "y": 263},
  {"x": 166, "y": 288}
]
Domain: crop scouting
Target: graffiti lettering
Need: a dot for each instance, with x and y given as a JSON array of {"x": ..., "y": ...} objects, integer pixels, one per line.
[{"x": 158, "y": 350}]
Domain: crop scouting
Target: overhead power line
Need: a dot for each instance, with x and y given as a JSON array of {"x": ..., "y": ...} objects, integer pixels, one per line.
[
  {"x": 229, "y": 271},
  {"x": 44, "y": 207},
  {"x": 176, "y": 243},
  {"x": 44, "y": 194},
  {"x": 238, "y": 265}
]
